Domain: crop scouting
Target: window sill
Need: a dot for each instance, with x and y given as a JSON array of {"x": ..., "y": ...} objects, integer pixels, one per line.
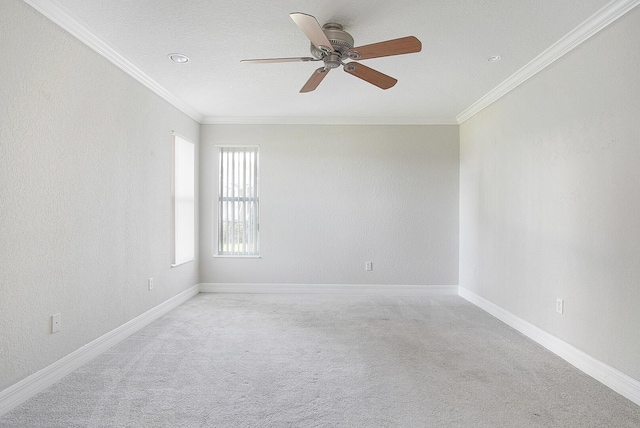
[{"x": 182, "y": 263}]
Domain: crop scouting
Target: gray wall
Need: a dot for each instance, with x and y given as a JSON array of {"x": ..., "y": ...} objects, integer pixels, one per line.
[
  {"x": 85, "y": 202},
  {"x": 546, "y": 179},
  {"x": 550, "y": 198},
  {"x": 334, "y": 197}
]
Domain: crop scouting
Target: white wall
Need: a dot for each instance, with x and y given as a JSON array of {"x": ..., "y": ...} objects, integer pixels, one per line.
[
  {"x": 334, "y": 197},
  {"x": 85, "y": 204},
  {"x": 550, "y": 198}
]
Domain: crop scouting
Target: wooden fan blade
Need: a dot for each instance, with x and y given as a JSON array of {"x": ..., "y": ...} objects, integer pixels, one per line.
[
  {"x": 314, "y": 80},
  {"x": 400, "y": 46},
  {"x": 370, "y": 75},
  {"x": 273, "y": 60},
  {"x": 309, "y": 25}
]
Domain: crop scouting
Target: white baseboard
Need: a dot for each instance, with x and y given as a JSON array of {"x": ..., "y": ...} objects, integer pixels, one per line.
[
  {"x": 41, "y": 380},
  {"x": 613, "y": 378},
  {"x": 353, "y": 289}
]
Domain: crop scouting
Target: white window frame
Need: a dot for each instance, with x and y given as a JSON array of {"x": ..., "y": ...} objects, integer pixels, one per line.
[
  {"x": 236, "y": 209},
  {"x": 183, "y": 200}
]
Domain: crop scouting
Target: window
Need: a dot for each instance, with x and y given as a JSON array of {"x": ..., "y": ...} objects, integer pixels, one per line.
[
  {"x": 238, "y": 224},
  {"x": 183, "y": 189}
]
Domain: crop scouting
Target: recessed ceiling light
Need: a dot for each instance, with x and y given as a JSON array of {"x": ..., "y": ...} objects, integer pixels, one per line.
[
  {"x": 494, "y": 58},
  {"x": 179, "y": 58}
]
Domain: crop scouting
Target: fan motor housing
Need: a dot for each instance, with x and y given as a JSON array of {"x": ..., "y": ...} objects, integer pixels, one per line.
[{"x": 341, "y": 41}]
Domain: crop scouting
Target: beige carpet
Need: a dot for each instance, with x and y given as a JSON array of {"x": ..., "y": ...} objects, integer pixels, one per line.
[{"x": 326, "y": 361}]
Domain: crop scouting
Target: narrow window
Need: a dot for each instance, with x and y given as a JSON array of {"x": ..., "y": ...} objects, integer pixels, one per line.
[
  {"x": 238, "y": 200},
  {"x": 183, "y": 186}
]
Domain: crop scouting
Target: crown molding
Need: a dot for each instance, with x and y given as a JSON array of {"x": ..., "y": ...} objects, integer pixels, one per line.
[
  {"x": 598, "y": 21},
  {"x": 593, "y": 25},
  {"x": 284, "y": 120},
  {"x": 73, "y": 25}
]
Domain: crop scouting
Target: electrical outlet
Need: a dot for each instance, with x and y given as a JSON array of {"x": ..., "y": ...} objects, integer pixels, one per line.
[
  {"x": 55, "y": 323},
  {"x": 150, "y": 283},
  {"x": 560, "y": 306},
  {"x": 368, "y": 266}
]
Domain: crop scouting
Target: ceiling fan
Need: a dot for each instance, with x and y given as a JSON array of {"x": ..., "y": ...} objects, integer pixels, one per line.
[{"x": 332, "y": 45}]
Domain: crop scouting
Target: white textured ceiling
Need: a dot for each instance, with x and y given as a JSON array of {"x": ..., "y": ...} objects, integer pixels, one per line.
[{"x": 434, "y": 86}]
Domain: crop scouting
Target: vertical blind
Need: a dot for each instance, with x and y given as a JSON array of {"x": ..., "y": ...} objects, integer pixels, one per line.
[{"x": 238, "y": 202}]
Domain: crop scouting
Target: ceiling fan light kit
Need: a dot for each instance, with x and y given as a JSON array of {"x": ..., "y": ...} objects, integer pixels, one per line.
[{"x": 332, "y": 45}]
